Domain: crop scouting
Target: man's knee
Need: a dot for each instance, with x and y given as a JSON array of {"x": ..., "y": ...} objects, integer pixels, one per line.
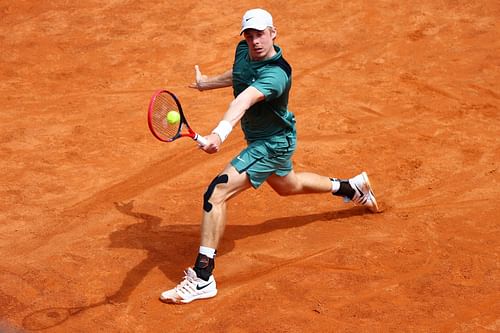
[{"x": 220, "y": 179}]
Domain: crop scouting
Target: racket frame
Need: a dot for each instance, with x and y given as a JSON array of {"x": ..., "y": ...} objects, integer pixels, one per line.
[{"x": 183, "y": 123}]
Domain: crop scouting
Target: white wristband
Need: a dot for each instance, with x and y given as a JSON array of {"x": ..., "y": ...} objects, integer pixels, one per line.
[{"x": 223, "y": 129}]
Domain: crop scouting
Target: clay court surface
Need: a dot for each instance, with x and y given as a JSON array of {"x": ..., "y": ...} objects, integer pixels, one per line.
[{"x": 98, "y": 217}]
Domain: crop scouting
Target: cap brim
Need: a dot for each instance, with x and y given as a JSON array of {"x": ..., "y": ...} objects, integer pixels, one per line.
[{"x": 255, "y": 27}]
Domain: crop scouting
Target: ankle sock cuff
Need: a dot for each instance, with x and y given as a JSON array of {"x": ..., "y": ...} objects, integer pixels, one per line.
[
  {"x": 345, "y": 189},
  {"x": 204, "y": 266}
]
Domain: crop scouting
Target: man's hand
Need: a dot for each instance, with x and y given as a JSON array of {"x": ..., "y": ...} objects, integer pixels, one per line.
[
  {"x": 204, "y": 82},
  {"x": 213, "y": 144},
  {"x": 200, "y": 79}
]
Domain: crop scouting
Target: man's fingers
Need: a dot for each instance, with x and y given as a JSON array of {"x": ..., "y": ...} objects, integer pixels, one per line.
[
  {"x": 197, "y": 73},
  {"x": 199, "y": 79}
]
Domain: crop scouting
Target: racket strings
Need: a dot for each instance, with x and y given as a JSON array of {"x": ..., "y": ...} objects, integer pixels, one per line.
[{"x": 163, "y": 104}]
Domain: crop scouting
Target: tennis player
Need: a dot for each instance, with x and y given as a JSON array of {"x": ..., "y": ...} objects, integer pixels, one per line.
[{"x": 261, "y": 79}]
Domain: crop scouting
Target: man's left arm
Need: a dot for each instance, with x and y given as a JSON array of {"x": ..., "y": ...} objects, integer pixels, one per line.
[{"x": 204, "y": 82}]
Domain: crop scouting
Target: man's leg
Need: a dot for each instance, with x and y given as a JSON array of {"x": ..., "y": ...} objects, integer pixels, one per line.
[
  {"x": 300, "y": 183},
  {"x": 357, "y": 189},
  {"x": 222, "y": 188},
  {"x": 199, "y": 282},
  {"x": 225, "y": 186}
]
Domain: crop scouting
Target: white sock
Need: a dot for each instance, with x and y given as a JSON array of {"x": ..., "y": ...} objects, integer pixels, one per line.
[
  {"x": 335, "y": 184},
  {"x": 208, "y": 251}
]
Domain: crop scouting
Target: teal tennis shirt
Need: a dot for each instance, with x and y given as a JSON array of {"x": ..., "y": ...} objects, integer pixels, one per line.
[{"x": 273, "y": 78}]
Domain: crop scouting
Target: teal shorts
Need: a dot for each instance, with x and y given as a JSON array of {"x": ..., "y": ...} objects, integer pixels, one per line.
[{"x": 263, "y": 158}]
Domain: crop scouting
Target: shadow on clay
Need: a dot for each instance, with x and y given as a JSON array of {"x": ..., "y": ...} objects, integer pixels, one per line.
[{"x": 170, "y": 248}]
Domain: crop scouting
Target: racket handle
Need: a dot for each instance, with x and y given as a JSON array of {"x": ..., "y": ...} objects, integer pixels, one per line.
[{"x": 200, "y": 139}]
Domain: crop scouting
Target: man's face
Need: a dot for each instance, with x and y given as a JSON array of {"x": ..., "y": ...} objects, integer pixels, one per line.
[{"x": 260, "y": 43}]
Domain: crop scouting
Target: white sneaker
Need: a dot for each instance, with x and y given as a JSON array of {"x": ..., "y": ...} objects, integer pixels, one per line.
[
  {"x": 191, "y": 288},
  {"x": 364, "y": 195}
]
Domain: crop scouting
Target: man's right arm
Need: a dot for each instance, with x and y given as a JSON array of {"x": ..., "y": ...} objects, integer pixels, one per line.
[
  {"x": 204, "y": 82},
  {"x": 234, "y": 113}
]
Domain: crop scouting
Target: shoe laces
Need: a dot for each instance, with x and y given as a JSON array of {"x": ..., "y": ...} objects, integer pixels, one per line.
[{"x": 188, "y": 284}]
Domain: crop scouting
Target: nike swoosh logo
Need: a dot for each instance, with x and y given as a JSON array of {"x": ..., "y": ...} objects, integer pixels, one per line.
[
  {"x": 239, "y": 158},
  {"x": 248, "y": 19},
  {"x": 361, "y": 194},
  {"x": 362, "y": 197},
  {"x": 198, "y": 287}
]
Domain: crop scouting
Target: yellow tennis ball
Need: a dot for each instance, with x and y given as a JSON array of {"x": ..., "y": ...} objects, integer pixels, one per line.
[{"x": 173, "y": 117}]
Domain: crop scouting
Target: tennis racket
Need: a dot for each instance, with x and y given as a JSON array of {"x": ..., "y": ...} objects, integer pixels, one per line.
[{"x": 162, "y": 103}]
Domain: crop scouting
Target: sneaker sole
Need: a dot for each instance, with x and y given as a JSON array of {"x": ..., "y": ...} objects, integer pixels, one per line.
[
  {"x": 374, "y": 208},
  {"x": 183, "y": 301},
  {"x": 203, "y": 296}
]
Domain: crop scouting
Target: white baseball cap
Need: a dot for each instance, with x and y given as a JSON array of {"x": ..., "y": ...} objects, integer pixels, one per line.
[{"x": 258, "y": 19}]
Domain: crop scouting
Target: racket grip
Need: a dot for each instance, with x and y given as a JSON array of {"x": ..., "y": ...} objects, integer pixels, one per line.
[{"x": 200, "y": 139}]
